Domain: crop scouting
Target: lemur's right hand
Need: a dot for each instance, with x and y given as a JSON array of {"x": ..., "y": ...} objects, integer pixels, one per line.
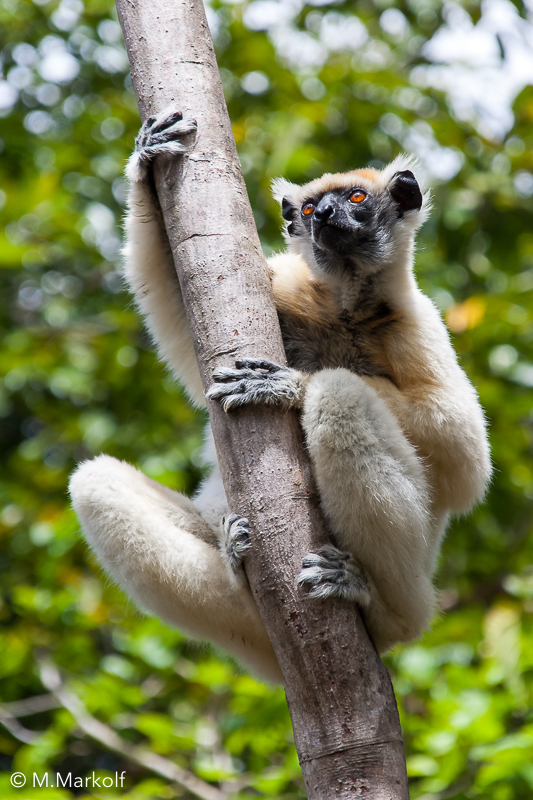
[{"x": 255, "y": 380}]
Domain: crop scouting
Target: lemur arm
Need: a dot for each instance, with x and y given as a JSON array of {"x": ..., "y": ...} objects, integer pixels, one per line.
[
  {"x": 149, "y": 269},
  {"x": 438, "y": 411}
]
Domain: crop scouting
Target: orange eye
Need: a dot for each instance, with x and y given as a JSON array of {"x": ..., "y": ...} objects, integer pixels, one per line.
[
  {"x": 358, "y": 196},
  {"x": 308, "y": 209}
]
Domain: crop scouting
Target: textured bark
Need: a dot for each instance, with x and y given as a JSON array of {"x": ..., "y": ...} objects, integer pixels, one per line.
[{"x": 340, "y": 696}]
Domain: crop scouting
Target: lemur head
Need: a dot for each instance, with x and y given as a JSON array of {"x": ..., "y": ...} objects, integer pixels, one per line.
[{"x": 354, "y": 223}]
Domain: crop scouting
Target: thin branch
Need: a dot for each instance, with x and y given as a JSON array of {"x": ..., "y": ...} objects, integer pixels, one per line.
[
  {"x": 106, "y": 736},
  {"x": 31, "y": 705},
  {"x": 16, "y": 729}
]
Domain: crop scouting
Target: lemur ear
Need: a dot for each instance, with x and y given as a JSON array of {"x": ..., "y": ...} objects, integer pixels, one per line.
[
  {"x": 288, "y": 212},
  {"x": 287, "y": 209},
  {"x": 405, "y": 191},
  {"x": 283, "y": 190}
]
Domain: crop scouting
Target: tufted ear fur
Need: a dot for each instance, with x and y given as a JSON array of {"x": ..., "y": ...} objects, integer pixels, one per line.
[
  {"x": 405, "y": 191},
  {"x": 282, "y": 188},
  {"x": 284, "y": 192}
]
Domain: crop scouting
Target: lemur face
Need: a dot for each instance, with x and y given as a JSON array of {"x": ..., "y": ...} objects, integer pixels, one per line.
[{"x": 352, "y": 221}]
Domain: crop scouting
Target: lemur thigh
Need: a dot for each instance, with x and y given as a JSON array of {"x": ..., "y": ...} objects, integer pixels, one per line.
[
  {"x": 151, "y": 277},
  {"x": 155, "y": 544},
  {"x": 374, "y": 495}
]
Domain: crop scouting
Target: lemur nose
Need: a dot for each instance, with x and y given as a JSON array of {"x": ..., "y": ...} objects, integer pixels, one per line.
[{"x": 324, "y": 210}]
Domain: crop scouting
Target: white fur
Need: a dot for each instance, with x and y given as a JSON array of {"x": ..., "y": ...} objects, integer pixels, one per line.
[
  {"x": 390, "y": 465},
  {"x": 375, "y": 495},
  {"x": 151, "y": 277},
  {"x": 151, "y": 541},
  {"x": 445, "y": 421},
  {"x": 159, "y": 546}
]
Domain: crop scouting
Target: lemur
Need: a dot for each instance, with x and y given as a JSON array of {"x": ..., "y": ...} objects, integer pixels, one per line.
[{"x": 395, "y": 433}]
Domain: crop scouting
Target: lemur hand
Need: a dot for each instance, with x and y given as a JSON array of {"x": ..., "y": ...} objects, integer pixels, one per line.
[
  {"x": 160, "y": 134},
  {"x": 255, "y": 380}
]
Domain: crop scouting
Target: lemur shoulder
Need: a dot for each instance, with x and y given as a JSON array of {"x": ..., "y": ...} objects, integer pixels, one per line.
[{"x": 394, "y": 429}]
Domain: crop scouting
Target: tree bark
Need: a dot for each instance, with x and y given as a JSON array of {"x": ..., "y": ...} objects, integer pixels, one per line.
[{"x": 340, "y": 697}]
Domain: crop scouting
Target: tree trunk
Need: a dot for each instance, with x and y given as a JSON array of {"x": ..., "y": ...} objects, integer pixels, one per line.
[{"x": 340, "y": 697}]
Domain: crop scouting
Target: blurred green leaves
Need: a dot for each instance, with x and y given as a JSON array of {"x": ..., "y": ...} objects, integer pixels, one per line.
[{"x": 310, "y": 88}]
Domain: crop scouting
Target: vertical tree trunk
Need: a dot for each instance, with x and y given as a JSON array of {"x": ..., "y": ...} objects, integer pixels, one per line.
[{"x": 340, "y": 696}]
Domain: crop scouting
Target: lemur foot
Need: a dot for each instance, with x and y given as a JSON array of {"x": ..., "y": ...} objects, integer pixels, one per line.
[
  {"x": 332, "y": 573},
  {"x": 160, "y": 134},
  {"x": 255, "y": 380},
  {"x": 236, "y": 540}
]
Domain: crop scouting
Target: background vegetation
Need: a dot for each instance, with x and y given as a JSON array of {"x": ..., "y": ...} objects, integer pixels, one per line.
[{"x": 315, "y": 87}]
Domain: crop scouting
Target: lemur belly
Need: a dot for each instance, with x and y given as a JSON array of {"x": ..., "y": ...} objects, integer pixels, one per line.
[{"x": 343, "y": 340}]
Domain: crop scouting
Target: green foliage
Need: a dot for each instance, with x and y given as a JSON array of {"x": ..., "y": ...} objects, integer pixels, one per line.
[{"x": 79, "y": 377}]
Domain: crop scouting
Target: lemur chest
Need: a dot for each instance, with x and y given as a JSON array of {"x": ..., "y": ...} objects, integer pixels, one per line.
[{"x": 339, "y": 340}]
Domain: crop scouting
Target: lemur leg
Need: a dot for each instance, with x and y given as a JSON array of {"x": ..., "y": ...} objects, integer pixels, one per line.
[
  {"x": 372, "y": 487},
  {"x": 148, "y": 266},
  {"x": 374, "y": 494},
  {"x": 156, "y": 545}
]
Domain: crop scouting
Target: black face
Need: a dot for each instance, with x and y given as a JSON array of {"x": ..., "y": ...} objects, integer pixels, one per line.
[
  {"x": 354, "y": 225},
  {"x": 338, "y": 219}
]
